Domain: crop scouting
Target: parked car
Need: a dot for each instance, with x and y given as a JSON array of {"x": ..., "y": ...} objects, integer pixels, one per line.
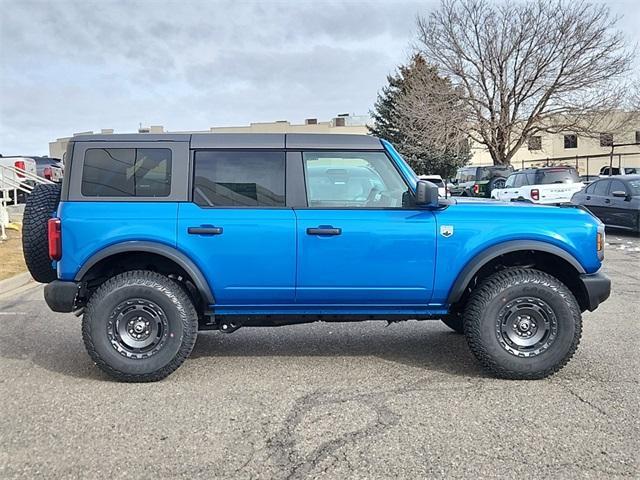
[
  {"x": 613, "y": 171},
  {"x": 587, "y": 179},
  {"x": 438, "y": 182},
  {"x": 548, "y": 185},
  {"x": 615, "y": 201},
  {"x": 49, "y": 168},
  {"x": 14, "y": 174},
  {"x": 480, "y": 181},
  {"x": 154, "y": 237}
]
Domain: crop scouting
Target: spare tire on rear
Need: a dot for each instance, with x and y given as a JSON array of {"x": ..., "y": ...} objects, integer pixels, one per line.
[{"x": 41, "y": 204}]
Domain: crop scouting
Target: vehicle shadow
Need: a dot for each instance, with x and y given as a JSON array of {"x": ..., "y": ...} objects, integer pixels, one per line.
[
  {"x": 427, "y": 345},
  {"x": 55, "y": 344}
]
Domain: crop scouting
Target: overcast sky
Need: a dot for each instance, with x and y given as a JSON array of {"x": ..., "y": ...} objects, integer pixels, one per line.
[{"x": 68, "y": 66}]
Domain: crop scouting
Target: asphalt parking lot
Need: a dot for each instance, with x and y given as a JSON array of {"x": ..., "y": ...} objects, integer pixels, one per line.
[{"x": 361, "y": 400}]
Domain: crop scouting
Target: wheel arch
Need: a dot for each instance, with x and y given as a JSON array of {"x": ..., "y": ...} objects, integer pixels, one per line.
[
  {"x": 542, "y": 255},
  {"x": 167, "y": 252}
]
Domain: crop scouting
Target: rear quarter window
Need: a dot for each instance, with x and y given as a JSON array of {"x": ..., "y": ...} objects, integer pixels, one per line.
[{"x": 126, "y": 172}]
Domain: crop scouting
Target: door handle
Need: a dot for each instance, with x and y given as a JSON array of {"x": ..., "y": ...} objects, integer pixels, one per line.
[
  {"x": 324, "y": 231},
  {"x": 204, "y": 230},
  {"x": 588, "y": 197},
  {"x": 606, "y": 200}
]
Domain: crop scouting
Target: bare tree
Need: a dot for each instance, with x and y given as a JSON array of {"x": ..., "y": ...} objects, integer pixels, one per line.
[{"x": 527, "y": 67}]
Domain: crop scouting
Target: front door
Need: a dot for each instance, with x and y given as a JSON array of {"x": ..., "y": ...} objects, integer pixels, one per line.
[
  {"x": 238, "y": 229},
  {"x": 357, "y": 244}
]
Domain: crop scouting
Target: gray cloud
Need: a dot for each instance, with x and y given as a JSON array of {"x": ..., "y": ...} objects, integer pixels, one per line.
[{"x": 71, "y": 65}]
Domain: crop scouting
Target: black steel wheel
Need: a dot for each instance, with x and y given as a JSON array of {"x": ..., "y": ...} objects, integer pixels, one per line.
[
  {"x": 522, "y": 323},
  {"x": 139, "y": 326},
  {"x": 526, "y": 326}
]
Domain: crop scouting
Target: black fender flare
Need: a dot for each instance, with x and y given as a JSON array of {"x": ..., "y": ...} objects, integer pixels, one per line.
[
  {"x": 157, "y": 248},
  {"x": 476, "y": 263}
]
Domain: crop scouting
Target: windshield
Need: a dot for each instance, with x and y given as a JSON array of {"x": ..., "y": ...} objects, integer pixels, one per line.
[
  {"x": 635, "y": 187},
  {"x": 466, "y": 174},
  {"x": 556, "y": 175}
]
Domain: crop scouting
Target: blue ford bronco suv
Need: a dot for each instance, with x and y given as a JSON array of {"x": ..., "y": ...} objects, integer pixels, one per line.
[{"x": 152, "y": 238}]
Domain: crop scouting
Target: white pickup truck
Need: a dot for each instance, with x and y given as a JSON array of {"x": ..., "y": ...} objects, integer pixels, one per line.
[{"x": 548, "y": 185}]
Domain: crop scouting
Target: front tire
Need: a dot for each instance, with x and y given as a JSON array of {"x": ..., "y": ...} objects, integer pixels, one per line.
[
  {"x": 139, "y": 326},
  {"x": 522, "y": 324}
]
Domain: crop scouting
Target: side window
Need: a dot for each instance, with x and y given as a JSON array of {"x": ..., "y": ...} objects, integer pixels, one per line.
[
  {"x": 601, "y": 188},
  {"x": 590, "y": 188},
  {"x": 126, "y": 172},
  {"x": 617, "y": 186},
  {"x": 511, "y": 179},
  {"x": 352, "y": 180},
  {"x": 239, "y": 179},
  {"x": 520, "y": 180}
]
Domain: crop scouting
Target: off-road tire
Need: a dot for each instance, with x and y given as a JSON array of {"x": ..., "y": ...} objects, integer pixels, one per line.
[
  {"x": 492, "y": 184},
  {"x": 42, "y": 202},
  {"x": 455, "y": 322},
  {"x": 176, "y": 345},
  {"x": 481, "y": 318}
]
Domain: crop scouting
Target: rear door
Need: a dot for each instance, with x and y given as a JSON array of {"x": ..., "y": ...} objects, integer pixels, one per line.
[
  {"x": 358, "y": 245},
  {"x": 238, "y": 228},
  {"x": 618, "y": 209},
  {"x": 595, "y": 199}
]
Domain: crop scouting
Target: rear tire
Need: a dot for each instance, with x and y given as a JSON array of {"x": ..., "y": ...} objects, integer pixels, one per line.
[
  {"x": 522, "y": 324},
  {"x": 41, "y": 204},
  {"x": 139, "y": 326}
]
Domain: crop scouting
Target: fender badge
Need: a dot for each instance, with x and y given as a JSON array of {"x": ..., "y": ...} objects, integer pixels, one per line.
[{"x": 446, "y": 230}]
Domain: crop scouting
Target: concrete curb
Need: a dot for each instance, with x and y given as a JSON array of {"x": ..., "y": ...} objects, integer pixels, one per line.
[{"x": 14, "y": 283}]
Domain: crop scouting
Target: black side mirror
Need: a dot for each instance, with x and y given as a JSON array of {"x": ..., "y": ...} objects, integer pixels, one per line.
[
  {"x": 619, "y": 194},
  {"x": 426, "y": 194}
]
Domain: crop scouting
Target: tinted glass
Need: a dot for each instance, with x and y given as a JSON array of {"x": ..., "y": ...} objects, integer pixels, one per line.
[
  {"x": 521, "y": 179},
  {"x": 617, "y": 186},
  {"x": 511, "y": 180},
  {"x": 634, "y": 185},
  {"x": 239, "y": 179},
  {"x": 126, "y": 172},
  {"x": 352, "y": 180},
  {"x": 591, "y": 188},
  {"x": 466, "y": 174},
  {"x": 556, "y": 175},
  {"x": 601, "y": 188}
]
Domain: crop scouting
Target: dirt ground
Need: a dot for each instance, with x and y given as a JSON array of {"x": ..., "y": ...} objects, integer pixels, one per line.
[{"x": 11, "y": 259}]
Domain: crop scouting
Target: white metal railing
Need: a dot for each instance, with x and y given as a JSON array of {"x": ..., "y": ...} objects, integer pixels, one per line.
[{"x": 14, "y": 179}]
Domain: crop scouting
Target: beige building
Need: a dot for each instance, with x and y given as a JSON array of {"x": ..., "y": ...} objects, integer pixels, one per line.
[
  {"x": 588, "y": 154},
  {"x": 342, "y": 123}
]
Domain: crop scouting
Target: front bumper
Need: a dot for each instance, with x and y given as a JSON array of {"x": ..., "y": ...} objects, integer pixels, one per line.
[
  {"x": 61, "y": 296},
  {"x": 597, "y": 287}
]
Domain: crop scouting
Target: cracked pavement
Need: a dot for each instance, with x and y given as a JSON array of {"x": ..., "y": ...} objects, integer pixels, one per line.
[{"x": 361, "y": 400}]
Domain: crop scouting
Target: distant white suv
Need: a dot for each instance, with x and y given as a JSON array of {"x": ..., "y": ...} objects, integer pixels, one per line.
[
  {"x": 548, "y": 185},
  {"x": 437, "y": 181}
]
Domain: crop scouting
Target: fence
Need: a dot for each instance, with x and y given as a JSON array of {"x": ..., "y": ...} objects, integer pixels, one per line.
[{"x": 587, "y": 164}]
